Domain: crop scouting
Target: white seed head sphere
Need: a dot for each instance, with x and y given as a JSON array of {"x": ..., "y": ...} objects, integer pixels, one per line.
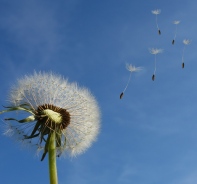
[{"x": 73, "y": 109}]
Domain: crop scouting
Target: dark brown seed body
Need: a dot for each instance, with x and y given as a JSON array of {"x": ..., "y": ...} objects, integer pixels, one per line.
[
  {"x": 121, "y": 95},
  {"x": 153, "y": 77}
]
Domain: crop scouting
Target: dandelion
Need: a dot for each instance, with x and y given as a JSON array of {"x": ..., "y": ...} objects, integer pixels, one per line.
[
  {"x": 176, "y": 22},
  {"x": 155, "y": 51},
  {"x": 130, "y": 68},
  {"x": 63, "y": 118},
  {"x": 185, "y": 42},
  {"x": 157, "y": 12}
]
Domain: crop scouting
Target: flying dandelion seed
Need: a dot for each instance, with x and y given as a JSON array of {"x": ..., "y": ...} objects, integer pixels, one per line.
[
  {"x": 176, "y": 22},
  {"x": 185, "y": 42},
  {"x": 155, "y": 51},
  {"x": 130, "y": 68},
  {"x": 63, "y": 118},
  {"x": 157, "y": 12}
]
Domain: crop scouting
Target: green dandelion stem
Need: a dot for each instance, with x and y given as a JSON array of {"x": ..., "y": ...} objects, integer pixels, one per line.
[{"x": 52, "y": 159}]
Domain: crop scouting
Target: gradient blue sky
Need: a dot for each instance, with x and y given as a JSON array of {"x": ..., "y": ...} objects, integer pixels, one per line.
[{"x": 148, "y": 137}]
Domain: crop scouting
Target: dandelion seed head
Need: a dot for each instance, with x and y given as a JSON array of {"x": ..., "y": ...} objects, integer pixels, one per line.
[
  {"x": 176, "y": 22},
  {"x": 132, "y": 68},
  {"x": 156, "y": 12},
  {"x": 72, "y": 112},
  {"x": 155, "y": 51},
  {"x": 187, "y": 41}
]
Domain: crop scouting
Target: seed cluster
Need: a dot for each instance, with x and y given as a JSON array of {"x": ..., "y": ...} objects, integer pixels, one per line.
[{"x": 51, "y": 124}]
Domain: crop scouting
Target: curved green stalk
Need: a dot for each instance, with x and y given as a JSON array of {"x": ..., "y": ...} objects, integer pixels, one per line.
[{"x": 52, "y": 159}]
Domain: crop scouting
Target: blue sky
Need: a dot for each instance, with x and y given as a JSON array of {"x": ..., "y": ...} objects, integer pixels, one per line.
[{"x": 147, "y": 137}]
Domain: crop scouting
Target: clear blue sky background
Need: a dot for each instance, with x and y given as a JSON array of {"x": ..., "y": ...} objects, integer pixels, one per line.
[{"x": 148, "y": 137}]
